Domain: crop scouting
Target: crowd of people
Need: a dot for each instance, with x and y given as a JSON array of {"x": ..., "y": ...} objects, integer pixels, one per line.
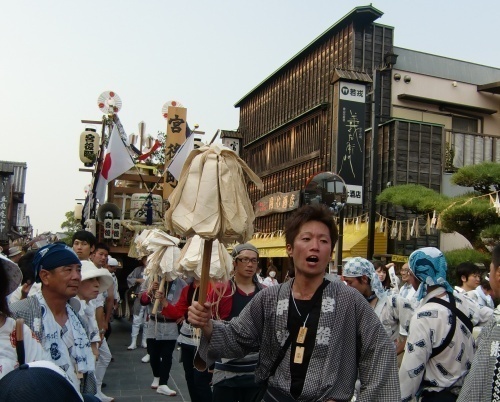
[{"x": 363, "y": 335}]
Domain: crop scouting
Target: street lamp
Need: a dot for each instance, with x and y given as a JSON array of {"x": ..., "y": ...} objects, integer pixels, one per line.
[
  {"x": 390, "y": 59},
  {"x": 329, "y": 189}
]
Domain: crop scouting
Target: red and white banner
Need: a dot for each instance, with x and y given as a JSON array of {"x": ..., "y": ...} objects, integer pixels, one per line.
[{"x": 117, "y": 161}]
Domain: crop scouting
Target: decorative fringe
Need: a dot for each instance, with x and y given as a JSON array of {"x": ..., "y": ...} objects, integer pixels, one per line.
[
  {"x": 428, "y": 225},
  {"x": 394, "y": 230},
  {"x": 496, "y": 205},
  {"x": 400, "y": 230}
]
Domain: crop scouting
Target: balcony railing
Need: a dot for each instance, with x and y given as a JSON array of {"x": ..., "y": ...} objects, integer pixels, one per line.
[{"x": 463, "y": 149}]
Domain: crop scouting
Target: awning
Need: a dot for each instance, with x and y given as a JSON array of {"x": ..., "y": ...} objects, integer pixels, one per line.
[
  {"x": 446, "y": 104},
  {"x": 355, "y": 242},
  {"x": 492, "y": 87}
]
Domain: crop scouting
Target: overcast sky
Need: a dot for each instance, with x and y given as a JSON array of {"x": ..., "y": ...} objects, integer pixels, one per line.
[{"x": 57, "y": 57}]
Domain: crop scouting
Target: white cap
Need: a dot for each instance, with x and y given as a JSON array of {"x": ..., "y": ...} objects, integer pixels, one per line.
[{"x": 89, "y": 271}]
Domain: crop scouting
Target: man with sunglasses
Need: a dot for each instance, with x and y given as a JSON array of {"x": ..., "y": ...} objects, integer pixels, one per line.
[{"x": 234, "y": 379}]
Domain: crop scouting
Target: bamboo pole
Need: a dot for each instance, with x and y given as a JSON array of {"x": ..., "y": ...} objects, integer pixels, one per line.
[{"x": 205, "y": 270}]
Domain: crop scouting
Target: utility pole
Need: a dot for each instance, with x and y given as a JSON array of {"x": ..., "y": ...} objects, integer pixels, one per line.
[{"x": 375, "y": 117}]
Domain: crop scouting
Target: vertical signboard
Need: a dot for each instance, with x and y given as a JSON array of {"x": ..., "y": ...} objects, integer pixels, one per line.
[
  {"x": 351, "y": 139},
  {"x": 21, "y": 215},
  {"x": 176, "y": 135},
  {"x": 4, "y": 208}
]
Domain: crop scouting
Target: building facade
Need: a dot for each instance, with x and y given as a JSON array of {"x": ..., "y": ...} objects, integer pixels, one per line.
[
  {"x": 424, "y": 106},
  {"x": 14, "y": 223}
]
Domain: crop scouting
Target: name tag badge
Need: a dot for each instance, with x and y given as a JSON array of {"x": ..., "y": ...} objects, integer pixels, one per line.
[
  {"x": 301, "y": 337},
  {"x": 299, "y": 355}
]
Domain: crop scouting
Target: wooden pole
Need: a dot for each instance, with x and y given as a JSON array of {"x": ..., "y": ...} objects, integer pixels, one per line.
[
  {"x": 205, "y": 270},
  {"x": 157, "y": 301}
]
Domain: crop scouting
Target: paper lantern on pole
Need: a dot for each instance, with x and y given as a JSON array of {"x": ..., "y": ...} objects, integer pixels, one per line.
[
  {"x": 108, "y": 228},
  {"x": 232, "y": 140},
  {"x": 117, "y": 229},
  {"x": 89, "y": 146},
  {"x": 78, "y": 211}
]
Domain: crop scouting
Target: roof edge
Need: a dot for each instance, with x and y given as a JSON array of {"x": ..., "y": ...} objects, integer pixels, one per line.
[{"x": 364, "y": 14}]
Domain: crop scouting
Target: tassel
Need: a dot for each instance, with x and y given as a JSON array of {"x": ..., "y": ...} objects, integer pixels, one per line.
[
  {"x": 428, "y": 225},
  {"x": 438, "y": 224},
  {"x": 394, "y": 230},
  {"x": 386, "y": 232},
  {"x": 356, "y": 225},
  {"x": 381, "y": 226},
  {"x": 496, "y": 205},
  {"x": 408, "y": 234},
  {"x": 412, "y": 229},
  {"x": 400, "y": 230},
  {"x": 433, "y": 220},
  {"x": 417, "y": 229}
]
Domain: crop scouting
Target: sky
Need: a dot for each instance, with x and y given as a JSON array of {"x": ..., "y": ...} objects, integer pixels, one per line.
[{"x": 58, "y": 56}]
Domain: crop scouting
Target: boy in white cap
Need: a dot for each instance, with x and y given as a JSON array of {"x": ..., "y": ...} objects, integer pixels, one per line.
[{"x": 94, "y": 282}]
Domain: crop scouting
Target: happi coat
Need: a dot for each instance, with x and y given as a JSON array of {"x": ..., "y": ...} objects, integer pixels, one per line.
[
  {"x": 482, "y": 384},
  {"x": 429, "y": 327},
  {"x": 349, "y": 337}
]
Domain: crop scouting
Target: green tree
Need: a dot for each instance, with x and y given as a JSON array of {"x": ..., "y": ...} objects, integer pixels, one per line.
[
  {"x": 483, "y": 177},
  {"x": 70, "y": 226},
  {"x": 469, "y": 214},
  {"x": 414, "y": 198}
]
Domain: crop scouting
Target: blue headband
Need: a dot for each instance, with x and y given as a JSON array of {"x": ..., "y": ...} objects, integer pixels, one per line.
[
  {"x": 358, "y": 266},
  {"x": 53, "y": 256},
  {"x": 429, "y": 266}
]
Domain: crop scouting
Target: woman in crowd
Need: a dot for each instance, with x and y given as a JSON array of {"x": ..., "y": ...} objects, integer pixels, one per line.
[
  {"x": 271, "y": 276},
  {"x": 161, "y": 333},
  {"x": 198, "y": 382},
  {"x": 383, "y": 274}
]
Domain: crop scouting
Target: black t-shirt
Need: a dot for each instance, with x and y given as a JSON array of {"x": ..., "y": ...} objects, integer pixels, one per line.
[{"x": 295, "y": 322}]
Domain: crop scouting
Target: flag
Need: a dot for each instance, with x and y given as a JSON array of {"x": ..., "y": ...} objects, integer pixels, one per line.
[
  {"x": 175, "y": 167},
  {"x": 117, "y": 161},
  {"x": 148, "y": 154}
]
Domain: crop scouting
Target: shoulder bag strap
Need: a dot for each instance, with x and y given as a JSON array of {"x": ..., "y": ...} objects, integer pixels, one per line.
[{"x": 451, "y": 305}]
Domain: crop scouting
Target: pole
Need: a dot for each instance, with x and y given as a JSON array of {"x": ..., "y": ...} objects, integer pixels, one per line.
[
  {"x": 373, "y": 163},
  {"x": 340, "y": 241}
]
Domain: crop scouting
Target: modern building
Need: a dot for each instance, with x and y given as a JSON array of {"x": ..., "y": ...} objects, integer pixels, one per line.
[
  {"x": 315, "y": 113},
  {"x": 14, "y": 223}
]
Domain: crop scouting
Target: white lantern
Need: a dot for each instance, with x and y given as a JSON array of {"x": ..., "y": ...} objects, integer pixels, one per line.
[
  {"x": 108, "y": 228},
  {"x": 117, "y": 229},
  {"x": 89, "y": 146},
  {"x": 78, "y": 211},
  {"x": 231, "y": 140}
]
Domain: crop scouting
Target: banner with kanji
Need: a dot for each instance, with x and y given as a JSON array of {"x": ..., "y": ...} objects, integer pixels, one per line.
[
  {"x": 351, "y": 139},
  {"x": 176, "y": 135}
]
